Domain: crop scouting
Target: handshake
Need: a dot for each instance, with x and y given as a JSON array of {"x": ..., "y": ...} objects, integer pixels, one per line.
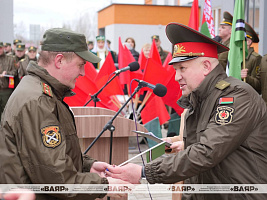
[{"x": 129, "y": 173}]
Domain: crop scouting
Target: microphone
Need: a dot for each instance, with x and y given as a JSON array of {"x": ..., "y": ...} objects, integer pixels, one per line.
[
  {"x": 158, "y": 89},
  {"x": 133, "y": 66}
]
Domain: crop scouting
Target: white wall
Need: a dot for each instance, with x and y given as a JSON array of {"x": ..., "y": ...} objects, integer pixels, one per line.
[
  {"x": 141, "y": 33},
  {"x": 6, "y": 21}
]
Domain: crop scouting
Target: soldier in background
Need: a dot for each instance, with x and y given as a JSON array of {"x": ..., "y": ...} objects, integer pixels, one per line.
[
  {"x": 225, "y": 30},
  {"x": 263, "y": 77},
  {"x": 163, "y": 54},
  {"x": 20, "y": 55},
  {"x": 7, "y": 48},
  {"x": 32, "y": 52},
  {"x": 15, "y": 42},
  {"x": 7, "y": 68},
  {"x": 253, "y": 60}
]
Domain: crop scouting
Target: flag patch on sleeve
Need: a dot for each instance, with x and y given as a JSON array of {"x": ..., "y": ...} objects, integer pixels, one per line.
[{"x": 226, "y": 100}]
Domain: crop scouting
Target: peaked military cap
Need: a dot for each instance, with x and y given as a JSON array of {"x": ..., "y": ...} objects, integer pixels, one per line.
[
  {"x": 7, "y": 44},
  {"x": 190, "y": 44},
  {"x": 156, "y": 37},
  {"x": 64, "y": 40},
  {"x": 227, "y": 19},
  {"x": 251, "y": 33},
  {"x": 100, "y": 37},
  {"x": 32, "y": 48},
  {"x": 16, "y": 41},
  {"x": 1, "y": 44},
  {"x": 20, "y": 46}
]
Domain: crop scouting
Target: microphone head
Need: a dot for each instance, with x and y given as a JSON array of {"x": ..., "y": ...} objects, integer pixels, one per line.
[
  {"x": 160, "y": 90},
  {"x": 134, "y": 66}
]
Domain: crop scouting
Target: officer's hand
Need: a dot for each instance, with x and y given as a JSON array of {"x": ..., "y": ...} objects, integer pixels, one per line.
[
  {"x": 19, "y": 194},
  {"x": 130, "y": 173},
  {"x": 177, "y": 146},
  {"x": 244, "y": 73},
  {"x": 99, "y": 168}
]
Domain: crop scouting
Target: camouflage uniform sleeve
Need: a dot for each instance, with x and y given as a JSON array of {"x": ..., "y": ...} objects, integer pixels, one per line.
[{"x": 87, "y": 163}]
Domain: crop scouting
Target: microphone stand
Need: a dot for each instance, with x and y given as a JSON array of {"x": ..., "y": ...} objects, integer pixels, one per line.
[
  {"x": 110, "y": 127},
  {"x": 94, "y": 96}
]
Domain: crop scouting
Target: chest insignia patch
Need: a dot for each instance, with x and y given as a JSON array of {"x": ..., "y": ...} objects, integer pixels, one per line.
[
  {"x": 224, "y": 115},
  {"x": 51, "y": 136}
]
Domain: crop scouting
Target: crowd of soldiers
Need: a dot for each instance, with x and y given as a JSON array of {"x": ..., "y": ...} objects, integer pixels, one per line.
[{"x": 13, "y": 63}]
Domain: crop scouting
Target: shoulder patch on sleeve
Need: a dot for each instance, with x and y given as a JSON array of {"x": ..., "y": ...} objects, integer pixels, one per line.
[
  {"x": 46, "y": 89},
  {"x": 224, "y": 115},
  {"x": 222, "y": 84},
  {"x": 51, "y": 136}
]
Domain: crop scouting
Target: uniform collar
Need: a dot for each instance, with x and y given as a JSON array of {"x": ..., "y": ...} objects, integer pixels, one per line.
[{"x": 58, "y": 88}]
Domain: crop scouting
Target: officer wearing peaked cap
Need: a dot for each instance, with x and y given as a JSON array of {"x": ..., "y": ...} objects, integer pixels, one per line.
[
  {"x": 38, "y": 136},
  {"x": 253, "y": 60},
  {"x": 223, "y": 131},
  {"x": 225, "y": 30}
]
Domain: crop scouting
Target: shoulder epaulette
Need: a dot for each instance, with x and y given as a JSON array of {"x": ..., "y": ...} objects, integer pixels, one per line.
[
  {"x": 255, "y": 53},
  {"x": 46, "y": 89},
  {"x": 222, "y": 84}
]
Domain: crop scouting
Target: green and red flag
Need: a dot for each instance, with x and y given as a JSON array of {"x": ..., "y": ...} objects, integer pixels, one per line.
[
  {"x": 207, "y": 27},
  {"x": 238, "y": 46}
]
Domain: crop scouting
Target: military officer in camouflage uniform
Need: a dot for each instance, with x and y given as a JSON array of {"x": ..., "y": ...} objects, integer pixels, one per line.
[
  {"x": 253, "y": 60},
  {"x": 225, "y": 30},
  {"x": 38, "y": 136},
  {"x": 7, "y": 68},
  {"x": 163, "y": 54},
  {"x": 224, "y": 135},
  {"x": 32, "y": 51}
]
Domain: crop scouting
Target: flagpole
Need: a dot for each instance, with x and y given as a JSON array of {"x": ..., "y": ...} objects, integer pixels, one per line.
[{"x": 244, "y": 58}]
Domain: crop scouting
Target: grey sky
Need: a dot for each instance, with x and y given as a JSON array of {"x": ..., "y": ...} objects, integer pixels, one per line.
[{"x": 54, "y": 13}]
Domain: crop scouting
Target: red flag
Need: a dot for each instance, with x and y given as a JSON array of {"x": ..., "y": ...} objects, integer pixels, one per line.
[
  {"x": 155, "y": 108},
  {"x": 114, "y": 87},
  {"x": 90, "y": 71},
  {"x": 11, "y": 82},
  {"x": 173, "y": 94},
  {"x": 83, "y": 87},
  {"x": 154, "y": 53},
  {"x": 194, "y": 16},
  {"x": 142, "y": 60},
  {"x": 156, "y": 73},
  {"x": 167, "y": 60},
  {"x": 124, "y": 59}
]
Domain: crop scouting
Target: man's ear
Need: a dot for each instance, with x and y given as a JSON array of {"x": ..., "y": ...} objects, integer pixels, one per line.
[
  {"x": 207, "y": 67},
  {"x": 58, "y": 60}
]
